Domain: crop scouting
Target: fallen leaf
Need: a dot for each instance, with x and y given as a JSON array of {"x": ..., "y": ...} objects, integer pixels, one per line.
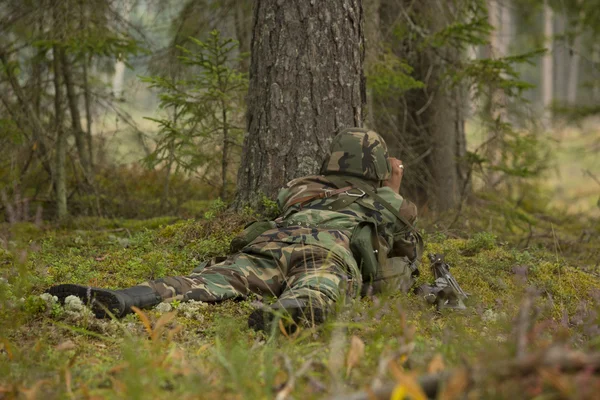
[
  {"x": 408, "y": 385},
  {"x": 355, "y": 353},
  {"x": 145, "y": 320}
]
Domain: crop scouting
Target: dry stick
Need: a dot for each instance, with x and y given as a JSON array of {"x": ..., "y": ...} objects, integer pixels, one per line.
[{"x": 523, "y": 324}]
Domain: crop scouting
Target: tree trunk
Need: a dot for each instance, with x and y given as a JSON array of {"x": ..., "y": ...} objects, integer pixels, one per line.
[
  {"x": 80, "y": 136},
  {"x": 573, "y": 79},
  {"x": 373, "y": 50},
  {"x": 243, "y": 28},
  {"x": 224, "y": 160},
  {"x": 31, "y": 118},
  {"x": 596, "y": 74},
  {"x": 306, "y": 82},
  {"x": 88, "y": 114},
  {"x": 427, "y": 132},
  {"x": 547, "y": 66},
  {"x": 60, "y": 176}
]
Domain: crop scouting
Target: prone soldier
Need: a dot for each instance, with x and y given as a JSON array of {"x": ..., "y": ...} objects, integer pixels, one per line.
[{"x": 340, "y": 233}]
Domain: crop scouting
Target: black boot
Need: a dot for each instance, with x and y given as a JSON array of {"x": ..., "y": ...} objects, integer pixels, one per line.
[
  {"x": 118, "y": 302},
  {"x": 293, "y": 312}
]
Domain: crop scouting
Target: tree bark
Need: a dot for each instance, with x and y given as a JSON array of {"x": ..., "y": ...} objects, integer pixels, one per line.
[
  {"x": 60, "y": 176},
  {"x": 306, "y": 82}
]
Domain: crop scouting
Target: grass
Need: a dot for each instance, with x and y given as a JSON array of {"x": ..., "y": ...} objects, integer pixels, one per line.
[{"x": 207, "y": 351}]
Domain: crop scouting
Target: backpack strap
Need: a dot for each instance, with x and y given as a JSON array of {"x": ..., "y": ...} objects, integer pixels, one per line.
[
  {"x": 323, "y": 195},
  {"x": 371, "y": 193}
]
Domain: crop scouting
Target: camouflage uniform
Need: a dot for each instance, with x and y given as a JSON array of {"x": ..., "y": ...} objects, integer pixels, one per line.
[
  {"x": 306, "y": 260},
  {"x": 307, "y": 257}
]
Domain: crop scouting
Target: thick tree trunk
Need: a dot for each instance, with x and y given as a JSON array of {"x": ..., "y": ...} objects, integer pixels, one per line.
[
  {"x": 60, "y": 176},
  {"x": 306, "y": 82},
  {"x": 428, "y": 131}
]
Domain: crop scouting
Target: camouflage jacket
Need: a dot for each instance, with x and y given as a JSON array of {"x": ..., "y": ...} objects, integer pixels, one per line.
[{"x": 317, "y": 214}]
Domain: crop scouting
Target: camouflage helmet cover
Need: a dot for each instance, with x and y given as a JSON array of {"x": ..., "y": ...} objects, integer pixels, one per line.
[{"x": 358, "y": 152}]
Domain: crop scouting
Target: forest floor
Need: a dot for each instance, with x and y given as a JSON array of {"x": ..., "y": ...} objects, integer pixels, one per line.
[{"x": 533, "y": 280}]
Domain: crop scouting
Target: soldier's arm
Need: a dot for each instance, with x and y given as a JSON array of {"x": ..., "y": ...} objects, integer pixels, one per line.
[
  {"x": 405, "y": 244},
  {"x": 397, "y": 173}
]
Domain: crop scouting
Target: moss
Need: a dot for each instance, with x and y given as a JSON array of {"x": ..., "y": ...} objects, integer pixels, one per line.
[{"x": 214, "y": 353}]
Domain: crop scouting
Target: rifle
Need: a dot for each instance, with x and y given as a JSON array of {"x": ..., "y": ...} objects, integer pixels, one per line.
[{"x": 445, "y": 292}]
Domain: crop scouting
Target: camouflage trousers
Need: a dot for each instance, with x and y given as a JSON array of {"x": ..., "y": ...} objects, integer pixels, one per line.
[{"x": 300, "y": 271}]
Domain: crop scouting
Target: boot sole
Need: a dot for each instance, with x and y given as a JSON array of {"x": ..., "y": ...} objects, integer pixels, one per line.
[{"x": 100, "y": 300}]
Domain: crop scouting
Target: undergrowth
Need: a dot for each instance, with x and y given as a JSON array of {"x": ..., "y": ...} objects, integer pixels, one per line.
[{"x": 194, "y": 350}]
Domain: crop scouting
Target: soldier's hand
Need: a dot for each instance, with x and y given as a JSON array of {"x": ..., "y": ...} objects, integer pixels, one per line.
[{"x": 395, "y": 180}]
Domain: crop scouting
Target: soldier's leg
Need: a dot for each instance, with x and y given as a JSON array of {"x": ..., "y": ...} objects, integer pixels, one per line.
[
  {"x": 234, "y": 278},
  {"x": 316, "y": 277},
  {"x": 315, "y": 280}
]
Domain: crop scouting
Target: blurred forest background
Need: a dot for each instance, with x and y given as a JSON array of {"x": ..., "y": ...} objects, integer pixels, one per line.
[
  {"x": 137, "y": 108},
  {"x": 138, "y": 137}
]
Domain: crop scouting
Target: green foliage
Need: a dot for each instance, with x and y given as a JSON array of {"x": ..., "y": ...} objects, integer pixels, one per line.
[
  {"x": 390, "y": 76},
  {"x": 201, "y": 130},
  {"x": 501, "y": 73},
  {"x": 135, "y": 192},
  {"x": 270, "y": 208},
  {"x": 480, "y": 241}
]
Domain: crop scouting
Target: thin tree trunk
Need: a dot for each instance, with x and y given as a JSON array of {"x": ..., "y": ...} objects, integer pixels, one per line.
[
  {"x": 427, "y": 132},
  {"x": 547, "y": 66},
  {"x": 86, "y": 93},
  {"x": 165, "y": 198},
  {"x": 243, "y": 28},
  {"x": 561, "y": 59},
  {"x": 224, "y": 161},
  {"x": 373, "y": 50},
  {"x": 80, "y": 136},
  {"x": 88, "y": 113},
  {"x": 306, "y": 82},
  {"x": 596, "y": 75},
  {"x": 119, "y": 76},
  {"x": 499, "y": 19},
  {"x": 573, "y": 79},
  {"x": 60, "y": 178},
  {"x": 36, "y": 126}
]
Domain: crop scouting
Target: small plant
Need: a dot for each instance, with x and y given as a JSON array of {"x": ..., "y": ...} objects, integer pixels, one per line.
[
  {"x": 202, "y": 129},
  {"x": 480, "y": 241}
]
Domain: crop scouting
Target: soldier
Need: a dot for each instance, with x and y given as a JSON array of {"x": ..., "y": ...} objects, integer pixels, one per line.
[{"x": 343, "y": 232}]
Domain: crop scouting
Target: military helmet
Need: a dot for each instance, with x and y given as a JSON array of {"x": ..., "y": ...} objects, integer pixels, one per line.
[{"x": 358, "y": 152}]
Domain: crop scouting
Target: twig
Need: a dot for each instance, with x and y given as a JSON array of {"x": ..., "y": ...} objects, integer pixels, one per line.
[{"x": 523, "y": 324}]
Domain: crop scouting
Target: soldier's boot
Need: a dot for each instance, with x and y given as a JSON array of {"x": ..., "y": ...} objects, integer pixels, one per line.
[
  {"x": 102, "y": 301},
  {"x": 291, "y": 312}
]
